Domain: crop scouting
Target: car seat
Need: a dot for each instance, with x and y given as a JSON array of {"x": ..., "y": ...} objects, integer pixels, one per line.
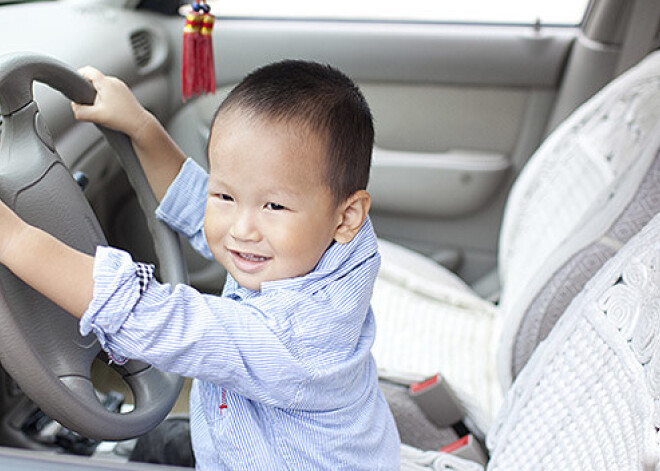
[
  {"x": 589, "y": 397},
  {"x": 591, "y": 186}
]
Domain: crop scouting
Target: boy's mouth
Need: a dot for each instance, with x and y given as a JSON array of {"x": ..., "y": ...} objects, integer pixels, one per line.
[
  {"x": 251, "y": 257},
  {"x": 248, "y": 262}
]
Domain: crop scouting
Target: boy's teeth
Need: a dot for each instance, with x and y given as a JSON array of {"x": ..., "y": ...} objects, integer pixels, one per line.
[{"x": 252, "y": 258}]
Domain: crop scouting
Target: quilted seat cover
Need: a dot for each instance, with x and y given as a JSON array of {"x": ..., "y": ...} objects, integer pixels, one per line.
[
  {"x": 589, "y": 397},
  {"x": 429, "y": 321},
  {"x": 594, "y": 384}
]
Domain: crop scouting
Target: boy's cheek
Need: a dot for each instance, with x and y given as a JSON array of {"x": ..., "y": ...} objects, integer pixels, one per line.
[{"x": 214, "y": 226}]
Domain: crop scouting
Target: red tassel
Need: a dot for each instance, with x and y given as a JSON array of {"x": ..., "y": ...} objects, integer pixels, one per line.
[
  {"x": 190, "y": 80},
  {"x": 205, "y": 54},
  {"x": 197, "y": 68}
]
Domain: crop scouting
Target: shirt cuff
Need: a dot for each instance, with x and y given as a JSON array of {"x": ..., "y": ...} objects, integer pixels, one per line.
[
  {"x": 182, "y": 208},
  {"x": 118, "y": 285}
]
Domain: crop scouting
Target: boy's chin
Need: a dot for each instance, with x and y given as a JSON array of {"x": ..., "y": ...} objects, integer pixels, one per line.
[{"x": 248, "y": 282}]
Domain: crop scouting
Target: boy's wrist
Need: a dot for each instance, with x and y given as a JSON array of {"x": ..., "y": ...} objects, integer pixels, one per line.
[
  {"x": 143, "y": 131},
  {"x": 14, "y": 231}
]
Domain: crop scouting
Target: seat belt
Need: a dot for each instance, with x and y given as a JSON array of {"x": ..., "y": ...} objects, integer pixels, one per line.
[{"x": 436, "y": 399}]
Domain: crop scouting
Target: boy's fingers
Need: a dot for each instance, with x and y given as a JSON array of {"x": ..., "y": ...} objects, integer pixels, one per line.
[
  {"x": 75, "y": 107},
  {"x": 90, "y": 73},
  {"x": 93, "y": 75},
  {"x": 80, "y": 111}
]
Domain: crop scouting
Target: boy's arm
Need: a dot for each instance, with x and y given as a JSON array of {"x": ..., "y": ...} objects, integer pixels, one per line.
[
  {"x": 159, "y": 155},
  {"x": 67, "y": 277},
  {"x": 116, "y": 107}
]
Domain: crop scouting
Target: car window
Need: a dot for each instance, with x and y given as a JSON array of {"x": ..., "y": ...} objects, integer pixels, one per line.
[{"x": 556, "y": 12}]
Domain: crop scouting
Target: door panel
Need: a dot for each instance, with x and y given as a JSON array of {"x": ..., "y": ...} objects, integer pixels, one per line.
[
  {"x": 446, "y": 184},
  {"x": 433, "y": 118}
]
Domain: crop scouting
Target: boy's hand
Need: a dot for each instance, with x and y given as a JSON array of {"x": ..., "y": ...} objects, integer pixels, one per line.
[{"x": 114, "y": 107}]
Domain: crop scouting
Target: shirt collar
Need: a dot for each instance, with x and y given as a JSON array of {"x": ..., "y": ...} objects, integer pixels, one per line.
[{"x": 335, "y": 263}]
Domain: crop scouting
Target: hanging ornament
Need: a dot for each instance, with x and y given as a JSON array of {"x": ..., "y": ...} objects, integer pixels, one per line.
[
  {"x": 189, "y": 54},
  {"x": 197, "y": 65},
  {"x": 205, "y": 51}
]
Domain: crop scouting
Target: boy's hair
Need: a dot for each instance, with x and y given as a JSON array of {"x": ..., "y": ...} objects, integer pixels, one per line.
[{"x": 326, "y": 100}]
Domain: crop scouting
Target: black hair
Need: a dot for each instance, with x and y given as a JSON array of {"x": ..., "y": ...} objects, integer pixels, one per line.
[{"x": 322, "y": 98}]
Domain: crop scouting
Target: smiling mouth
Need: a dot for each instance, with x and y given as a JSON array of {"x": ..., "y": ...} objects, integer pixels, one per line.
[
  {"x": 248, "y": 262},
  {"x": 250, "y": 257}
]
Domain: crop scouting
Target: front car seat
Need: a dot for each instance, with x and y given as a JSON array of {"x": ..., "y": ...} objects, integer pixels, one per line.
[
  {"x": 589, "y": 397},
  {"x": 589, "y": 188}
]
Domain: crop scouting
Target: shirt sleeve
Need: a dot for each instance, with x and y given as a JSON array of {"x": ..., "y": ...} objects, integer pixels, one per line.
[
  {"x": 183, "y": 206},
  {"x": 180, "y": 330}
]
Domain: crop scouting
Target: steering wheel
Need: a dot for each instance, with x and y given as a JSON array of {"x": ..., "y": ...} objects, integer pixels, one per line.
[{"x": 40, "y": 346}]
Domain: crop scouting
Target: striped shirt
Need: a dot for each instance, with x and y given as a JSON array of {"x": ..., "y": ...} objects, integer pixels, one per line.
[{"x": 284, "y": 377}]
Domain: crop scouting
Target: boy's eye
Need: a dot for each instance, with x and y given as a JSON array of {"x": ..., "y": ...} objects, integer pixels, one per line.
[
  {"x": 274, "y": 207},
  {"x": 226, "y": 197}
]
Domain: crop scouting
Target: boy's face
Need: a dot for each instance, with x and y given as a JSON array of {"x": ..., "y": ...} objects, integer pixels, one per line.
[{"x": 270, "y": 214}]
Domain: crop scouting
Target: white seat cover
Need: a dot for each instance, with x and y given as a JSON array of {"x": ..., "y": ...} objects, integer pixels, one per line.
[
  {"x": 572, "y": 181},
  {"x": 428, "y": 325},
  {"x": 589, "y": 398},
  {"x": 633, "y": 200},
  {"x": 425, "y": 323}
]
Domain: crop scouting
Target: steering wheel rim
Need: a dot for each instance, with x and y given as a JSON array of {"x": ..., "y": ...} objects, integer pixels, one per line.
[{"x": 40, "y": 346}]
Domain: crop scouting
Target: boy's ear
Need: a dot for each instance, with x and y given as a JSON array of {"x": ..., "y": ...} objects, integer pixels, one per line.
[{"x": 352, "y": 213}]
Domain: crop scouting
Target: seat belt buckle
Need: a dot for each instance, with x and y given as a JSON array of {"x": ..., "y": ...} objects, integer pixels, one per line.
[
  {"x": 437, "y": 401},
  {"x": 468, "y": 448}
]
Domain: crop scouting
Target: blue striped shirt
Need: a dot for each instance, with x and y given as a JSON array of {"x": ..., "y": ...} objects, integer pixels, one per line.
[{"x": 284, "y": 377}]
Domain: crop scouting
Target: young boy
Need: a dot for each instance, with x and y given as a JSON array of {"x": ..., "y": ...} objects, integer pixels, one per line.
[{"x": 284, "y": 378}]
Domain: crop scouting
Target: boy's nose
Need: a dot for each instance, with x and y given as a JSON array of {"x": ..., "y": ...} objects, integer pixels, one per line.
[{"x": 244, "y": 227}]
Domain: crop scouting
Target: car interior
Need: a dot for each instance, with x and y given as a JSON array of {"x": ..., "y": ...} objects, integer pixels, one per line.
[{"x": 514, "y": 186}]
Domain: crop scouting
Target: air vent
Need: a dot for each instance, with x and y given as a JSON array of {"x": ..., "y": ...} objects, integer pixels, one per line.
[{"x": 141, "y": 43}]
